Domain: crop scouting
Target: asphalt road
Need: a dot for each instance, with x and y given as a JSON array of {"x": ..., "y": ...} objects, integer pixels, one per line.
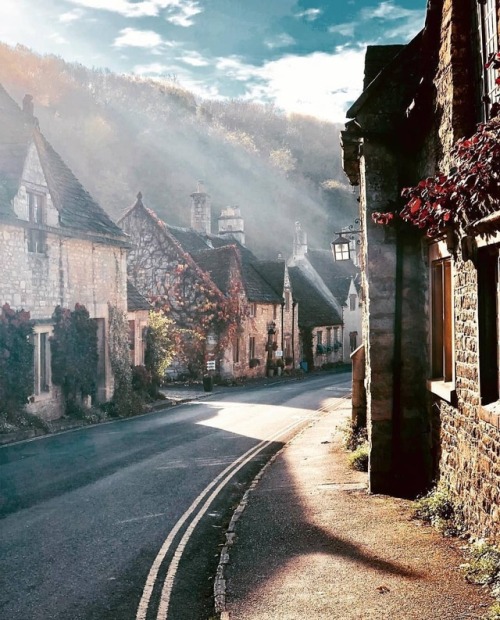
[{"x": 123, "y": 521}]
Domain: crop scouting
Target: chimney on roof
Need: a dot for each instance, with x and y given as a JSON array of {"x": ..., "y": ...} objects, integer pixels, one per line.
[
  {"x": 201, "y": 219},
  {"x": 28, "y": 107},
  {"x": 299, "y": 241},
  {"x": 231, "y": 224}
]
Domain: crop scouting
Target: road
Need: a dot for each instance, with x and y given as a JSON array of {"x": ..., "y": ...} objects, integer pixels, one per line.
[{"x": 123, "y": 521}]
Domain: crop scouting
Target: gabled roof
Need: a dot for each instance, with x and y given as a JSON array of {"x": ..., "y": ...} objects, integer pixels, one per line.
[
  {"x": 77, "y": 209},
  {"x": 337, "y": 275},
  {"x": 206, "y": 251},
  {"x": 136, "y": 301},
  {"x": 314, "y": 310}
]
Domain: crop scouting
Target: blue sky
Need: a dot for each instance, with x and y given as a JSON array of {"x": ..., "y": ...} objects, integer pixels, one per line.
[{"x": 304, "y": 56}]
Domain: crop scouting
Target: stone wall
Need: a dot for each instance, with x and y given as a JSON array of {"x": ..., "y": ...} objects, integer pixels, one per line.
[{"x": 468, "y": 458}]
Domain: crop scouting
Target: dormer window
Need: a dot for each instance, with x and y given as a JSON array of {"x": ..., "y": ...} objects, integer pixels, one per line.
[
  {"x": 36, "y": 205},
  {"x": 37, "y": 239}
]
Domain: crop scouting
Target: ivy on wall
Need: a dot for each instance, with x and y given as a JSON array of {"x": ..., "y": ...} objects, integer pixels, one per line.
[
  {"x": 119, "y": 352},
  {"x": 16, "y": 359},
  {"x": 74, "y": 354}
]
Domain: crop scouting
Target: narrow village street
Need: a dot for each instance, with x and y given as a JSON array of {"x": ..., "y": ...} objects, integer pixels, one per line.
[{"x": 105, "y": 512}]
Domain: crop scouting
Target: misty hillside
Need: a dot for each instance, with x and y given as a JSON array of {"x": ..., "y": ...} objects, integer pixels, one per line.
[{"x": 123, "y": 134}]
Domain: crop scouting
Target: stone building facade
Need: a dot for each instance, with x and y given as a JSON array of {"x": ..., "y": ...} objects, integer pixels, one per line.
[
  {"x": 57, "y": 247},
  {"x": 186, "y": 267},
  {"x": 431, "y": 314}
]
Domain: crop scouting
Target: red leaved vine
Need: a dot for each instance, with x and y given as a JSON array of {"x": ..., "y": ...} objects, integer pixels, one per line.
[{"x": 470, "y": 191}]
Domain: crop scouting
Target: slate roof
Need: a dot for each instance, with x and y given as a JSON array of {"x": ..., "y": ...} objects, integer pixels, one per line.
[
  {"x": 336, "y": 275},
  {"x": 257, "y": 288},
  {"x": 273, "y": 272},
  {"x": 136, "y": 301},
  {"x": 314, "y": 309},
  {"x": 77, "y": 209},
  {"x": 217, "y": 263}
]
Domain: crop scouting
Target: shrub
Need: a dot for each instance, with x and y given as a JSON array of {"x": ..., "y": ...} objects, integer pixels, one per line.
[
  {"x": 254, "y": 362},
  {"x": 11, "y": 421},
  {"x": 16, "y": 359},
  {"x": 358, "y": 459},
  {"x": 483, "y": 567},
  {"x": 160, "y": 346},
  {"x": 493, "y": 612},
  {"x": 74, "y": 353},
  {"x": 439, "y": 509}
]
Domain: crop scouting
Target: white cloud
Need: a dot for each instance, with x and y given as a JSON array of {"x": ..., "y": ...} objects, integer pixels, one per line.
[
  {"x": 194, "y": 59},
  {"x": 280, "y": 40},
  {"x": 387, "y": 10},
  {"x": 130, "y": 37},
  {"x": 178, "y": 11},
  {"x": 71, "y": 16},
  {"x": 319, "y": 84},
  {"x": 183, "y": 11},
  {"x": 309, "y": 15},
  {"x": 346, "y": 29}
]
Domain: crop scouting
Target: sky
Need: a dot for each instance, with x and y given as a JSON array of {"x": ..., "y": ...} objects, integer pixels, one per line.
[{"x": 304, "y": 56}]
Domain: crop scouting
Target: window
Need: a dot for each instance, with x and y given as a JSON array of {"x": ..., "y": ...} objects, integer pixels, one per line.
[
  {"x": 37, "y": 239},
  {"x": 288, "y": 346},
  {"x": 487, "y": 282},
  {"x": 352, "y": 301},
  {"x": 275, "y": 312},
  {"x": 252, "y": 310},
  {"x": 441, "y": 320},
  {"x": 335, "y": 334},
  {"x": 287, "y": 301},
  {"x": 36, "y": 205},
  {"x": 488, "y": 44},
  {"x": 251, "y": 347},
  {"x": 353, "y": 341},
  {"x": 319, "y": 337},
  {"x": 236, "y": 350},
  {"x": 41, "y": 362},
  {"x": 328, "y": 336}
]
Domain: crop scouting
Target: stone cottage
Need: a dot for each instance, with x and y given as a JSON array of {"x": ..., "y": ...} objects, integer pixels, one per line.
[
  {"x": 185, "y": 267},
  {"x": 57, "y": 246},
  {"x": 430, "y": 258}
]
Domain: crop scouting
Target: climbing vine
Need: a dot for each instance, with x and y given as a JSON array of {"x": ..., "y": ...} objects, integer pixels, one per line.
[
  {"x": 16, "y": 359},
  {"x": 74, "y": 354},
  {"x": 119, "y": 351},
  {"x": 469, "y": 192}
]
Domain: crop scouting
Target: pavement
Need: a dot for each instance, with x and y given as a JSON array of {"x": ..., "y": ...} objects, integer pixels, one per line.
[{"x": 309, "y": 542}]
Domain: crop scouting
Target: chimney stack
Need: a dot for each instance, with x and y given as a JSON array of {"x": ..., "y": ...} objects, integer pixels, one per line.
[
  {"x": 299, "y": 241},
  {"x": 201, "y": 220}
]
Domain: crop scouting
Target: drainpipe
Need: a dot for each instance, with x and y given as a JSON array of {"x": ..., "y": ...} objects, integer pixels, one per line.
[
  {"x": 397, "y": 421},
  {"x": 294, "y": 303}
]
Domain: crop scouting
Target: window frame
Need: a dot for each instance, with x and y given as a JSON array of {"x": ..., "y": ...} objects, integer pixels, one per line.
[
  {"x": 487, "y": 29},
  {"x": 441, "y": 322}
]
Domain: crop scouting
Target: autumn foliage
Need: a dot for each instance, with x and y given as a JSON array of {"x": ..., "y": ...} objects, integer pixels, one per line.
[{"x": 467, "y": 193}]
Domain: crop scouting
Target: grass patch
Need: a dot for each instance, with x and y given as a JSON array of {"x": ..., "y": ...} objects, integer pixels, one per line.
[
  {"x": 354, "y": 436},
  {"x": 493, "y": 612},
  {"x": 483, "y": 566},
  {"x": 439, "y": 510},
  {"x": 358, "y": 459}
]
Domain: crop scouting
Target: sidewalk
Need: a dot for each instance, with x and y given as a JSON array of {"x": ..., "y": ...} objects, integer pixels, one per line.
[{"x": 312, "y": 544}]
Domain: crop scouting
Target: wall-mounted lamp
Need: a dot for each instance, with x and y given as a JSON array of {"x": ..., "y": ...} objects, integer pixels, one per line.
[{"x": 341, "y": 246}]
